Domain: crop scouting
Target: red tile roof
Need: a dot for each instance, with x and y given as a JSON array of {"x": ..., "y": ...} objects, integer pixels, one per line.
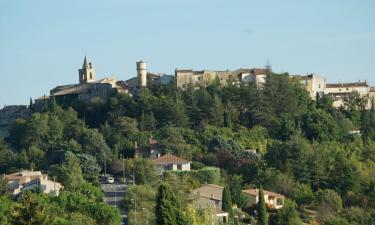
[
  {"x": 357, "y": 84},
  {"x": 169, "y": 159}
]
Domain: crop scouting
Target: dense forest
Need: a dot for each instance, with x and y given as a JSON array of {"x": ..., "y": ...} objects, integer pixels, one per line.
[{"x": 300, "y": 148}]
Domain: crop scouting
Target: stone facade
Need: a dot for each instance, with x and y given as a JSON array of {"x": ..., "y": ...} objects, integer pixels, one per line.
[
  {"x": 315, "y": 84},
  {"x": 205, "y": 77}
]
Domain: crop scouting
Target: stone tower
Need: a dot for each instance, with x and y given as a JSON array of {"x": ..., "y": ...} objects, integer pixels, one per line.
[
  {"x": 142, "y": 73},
  {"x": 87, "y": 73}
]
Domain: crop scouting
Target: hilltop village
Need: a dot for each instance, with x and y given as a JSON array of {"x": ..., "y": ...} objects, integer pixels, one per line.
[
  {"x": 240, "y": 147},
  {"x": 90, "y": 88}
]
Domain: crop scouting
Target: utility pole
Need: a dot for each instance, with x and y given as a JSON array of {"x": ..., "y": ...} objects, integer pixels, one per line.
[
  {"x": 105, "y": 165},
  {"x": 135, "y": 211},
  {"x": 115, "y": 196},
  {"x": 123, "y": 166}
]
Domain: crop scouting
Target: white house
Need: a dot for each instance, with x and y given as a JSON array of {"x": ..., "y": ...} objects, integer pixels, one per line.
[
  {"x": 21, "y": 182},
  {"x": 170, "y": 162},
  {"x": 341, "y": 91}
]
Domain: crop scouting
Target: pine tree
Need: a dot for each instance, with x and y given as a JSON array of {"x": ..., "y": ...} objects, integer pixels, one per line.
[
  {"x": 227, "y": 202},
  {"x": 262, "y": 210}
]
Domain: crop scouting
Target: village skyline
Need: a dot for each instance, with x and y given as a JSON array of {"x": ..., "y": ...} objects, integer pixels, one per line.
[{"x": 43, "y": 43}]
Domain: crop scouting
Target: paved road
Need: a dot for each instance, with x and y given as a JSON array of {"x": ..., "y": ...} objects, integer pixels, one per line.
[{"x": 113, "y": 195}]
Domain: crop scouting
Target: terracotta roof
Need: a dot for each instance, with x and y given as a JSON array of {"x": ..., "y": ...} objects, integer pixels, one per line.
[
  {"x": 356, "y": 84},
  {"x": 210, "y": 191},
  {"x": 21, "y": 176},
  {"x": 168, "y": 159},
  {"x": 256, "y": 71},
  {"x": 255, "y": 192}
]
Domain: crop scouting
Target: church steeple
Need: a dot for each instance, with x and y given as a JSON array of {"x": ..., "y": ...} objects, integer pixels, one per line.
[
  {"x": 85, "y": 64},
  {"x": 87, "y": 73}
]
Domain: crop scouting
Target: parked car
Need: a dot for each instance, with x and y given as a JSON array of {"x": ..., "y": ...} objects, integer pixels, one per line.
[{"x": 110, "y": 180}]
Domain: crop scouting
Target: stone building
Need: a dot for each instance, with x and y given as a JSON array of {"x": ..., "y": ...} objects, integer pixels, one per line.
[
  {"x": 87, "y": 89},
  {"x": 145, "y": 78},
  {"x": 205, "y": 77},
  {"x": 341, "y": 91},
  {"x": 315, "y": 84}
]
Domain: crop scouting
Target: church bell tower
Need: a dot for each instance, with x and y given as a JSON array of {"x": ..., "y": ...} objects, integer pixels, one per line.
[{"x": 87, "y": 73}]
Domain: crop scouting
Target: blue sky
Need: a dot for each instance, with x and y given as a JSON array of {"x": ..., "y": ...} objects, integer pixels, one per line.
[{"x": 42, "y": 43}]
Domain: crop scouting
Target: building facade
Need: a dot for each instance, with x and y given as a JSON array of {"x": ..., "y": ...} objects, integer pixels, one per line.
[
  {"x": 21, "y": 182},
  {"x": 170, "y": 162},
  {"x": 272, "y": 200},
  {"x": 340, "y": 91}
]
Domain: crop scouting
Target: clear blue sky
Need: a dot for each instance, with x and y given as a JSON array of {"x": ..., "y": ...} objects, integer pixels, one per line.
[{"x": 42, "y": 43}]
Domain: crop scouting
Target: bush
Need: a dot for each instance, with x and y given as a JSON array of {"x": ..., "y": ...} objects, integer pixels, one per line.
[
  {"x": 302, "y": 194},
  {"x": 210, "y": 175}
]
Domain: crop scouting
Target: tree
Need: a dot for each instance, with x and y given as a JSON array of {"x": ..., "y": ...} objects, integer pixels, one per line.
[
  {"x": 69, "y": 172},
  {"x": 329, "y": 203},
  {"x": 262, "y": 209},
  {"x": 227, "y": 202},
  {"x": 90, "y": 168},
  {"x": 287, "y": 215},
  {"x": 167, "y": 209}
]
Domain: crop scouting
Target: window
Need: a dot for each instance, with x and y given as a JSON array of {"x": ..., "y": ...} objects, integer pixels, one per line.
[
  {"x": 179, "y": 167},
  {"x": 90, "y": 75}
]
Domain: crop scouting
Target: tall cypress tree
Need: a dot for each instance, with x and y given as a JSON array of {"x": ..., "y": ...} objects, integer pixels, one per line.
[
  {"x": 227, "y": 202},
  {"x": 167, "y": 208},
  {"x": 262, "y": 210}
]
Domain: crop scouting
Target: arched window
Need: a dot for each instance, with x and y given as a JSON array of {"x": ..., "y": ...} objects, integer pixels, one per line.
[{"x": 90, "y": 75}]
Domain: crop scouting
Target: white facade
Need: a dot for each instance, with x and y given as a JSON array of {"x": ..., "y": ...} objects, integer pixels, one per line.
[
  {"x": 32, "y": 180},
  {"x": 172, "y": 167},
  {"x": 341, "y": 91}
]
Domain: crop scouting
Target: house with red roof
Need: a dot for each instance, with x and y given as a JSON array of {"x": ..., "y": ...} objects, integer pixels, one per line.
[{"x": 170, "y": 162}]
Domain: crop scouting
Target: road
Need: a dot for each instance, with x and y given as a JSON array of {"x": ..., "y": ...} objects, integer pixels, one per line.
[{"x": 113, "y": 195}]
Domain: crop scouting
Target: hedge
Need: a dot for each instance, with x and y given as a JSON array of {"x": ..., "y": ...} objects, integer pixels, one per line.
[{"x": 209, "y": 175}]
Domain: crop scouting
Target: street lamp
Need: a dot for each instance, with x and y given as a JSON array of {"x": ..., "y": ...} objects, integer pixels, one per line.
[
  {"x": 146, "y": 215},
  {"x": 135, "y": 210}
]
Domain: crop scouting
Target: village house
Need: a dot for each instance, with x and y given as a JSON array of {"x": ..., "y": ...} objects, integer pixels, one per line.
[
  {"x": 170, "y": 162},
  {"x": 152, "y": 151},
  {"x": 340, "y": 91},
  {"x": 210, "y": 196},
  {"x": 315, "y": 84},
  {"x": 272, "y": 200},
  {"x": 21, "y": 182}
]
